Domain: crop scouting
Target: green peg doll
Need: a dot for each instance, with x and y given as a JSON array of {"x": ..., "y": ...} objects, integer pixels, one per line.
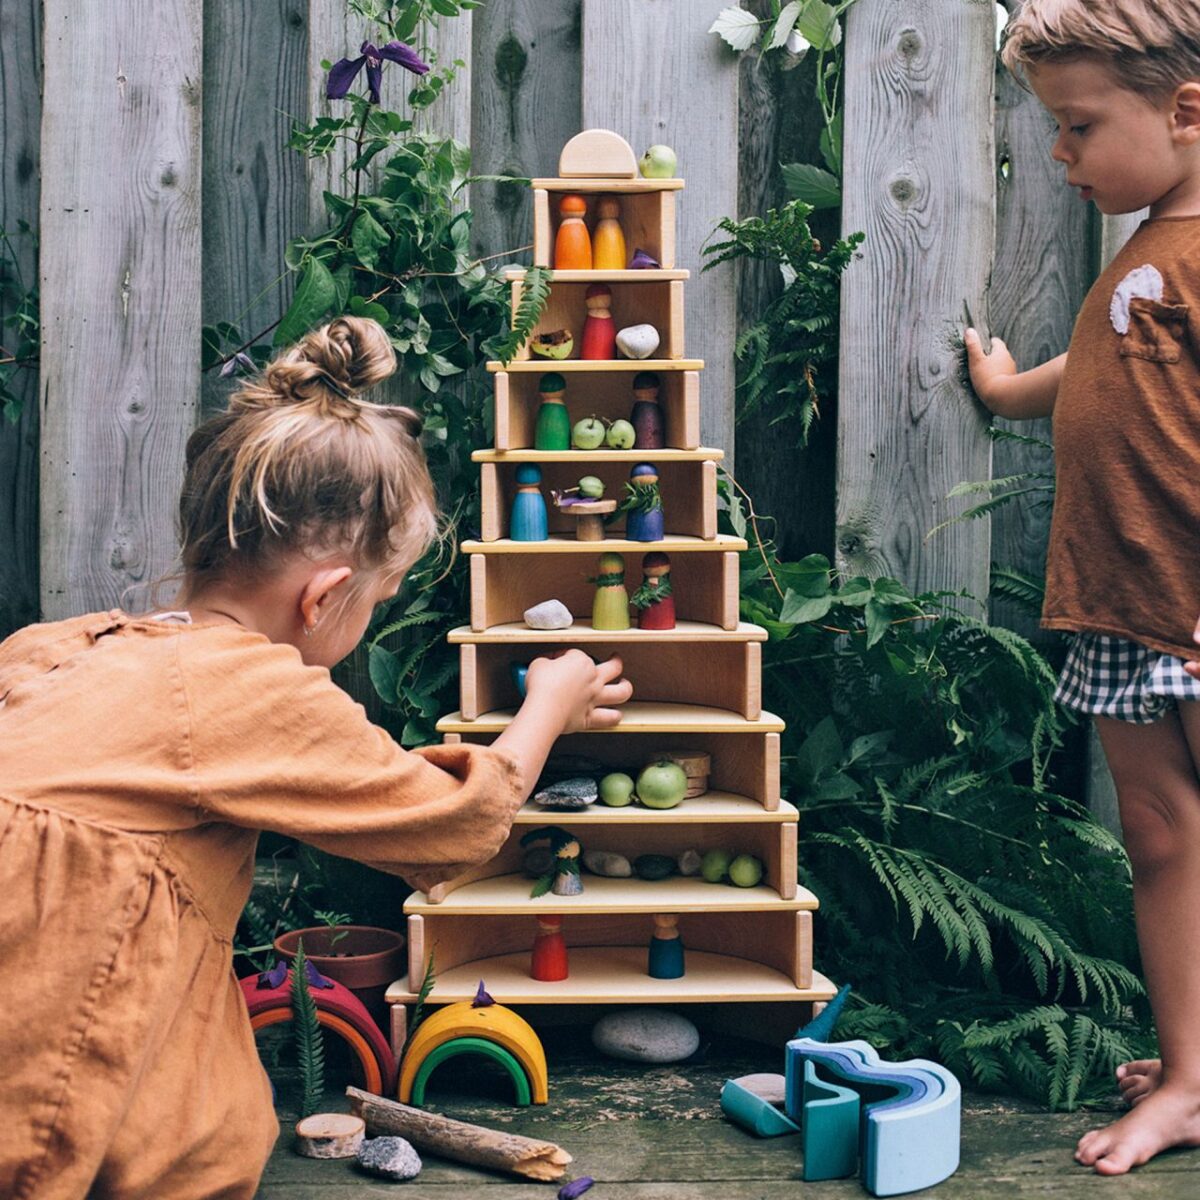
[{"x": 553, "y": 429}]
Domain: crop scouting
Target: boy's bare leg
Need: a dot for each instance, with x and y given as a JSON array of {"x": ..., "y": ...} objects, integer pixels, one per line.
[{"x": 1159, "y": 795}]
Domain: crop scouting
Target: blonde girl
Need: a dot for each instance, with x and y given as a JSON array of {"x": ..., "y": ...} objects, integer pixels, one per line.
[{"x": 140, "y": 756}]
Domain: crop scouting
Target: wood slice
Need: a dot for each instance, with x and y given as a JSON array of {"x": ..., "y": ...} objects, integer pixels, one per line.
[{"x": 330, "y": 1135}]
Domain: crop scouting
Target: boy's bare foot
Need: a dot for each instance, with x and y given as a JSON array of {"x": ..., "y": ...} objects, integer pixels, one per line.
[
  {"x": 1137, "y": 1079},
  {"x": 1169, "y": 1116}
]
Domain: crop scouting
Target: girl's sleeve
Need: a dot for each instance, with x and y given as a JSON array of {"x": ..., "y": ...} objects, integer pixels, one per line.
[{"x": 276, "y": 745}]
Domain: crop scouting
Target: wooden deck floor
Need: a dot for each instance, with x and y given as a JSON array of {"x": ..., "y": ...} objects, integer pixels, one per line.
[{"x": 657, "y": 1133}]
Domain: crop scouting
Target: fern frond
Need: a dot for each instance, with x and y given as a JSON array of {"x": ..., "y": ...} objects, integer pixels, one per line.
[
  {"x": 310, "y": 1046},
  {"x": 1018, "y": 586},
  {"x": 535, "y": 291},
  {"x": 421, "y": 618}
]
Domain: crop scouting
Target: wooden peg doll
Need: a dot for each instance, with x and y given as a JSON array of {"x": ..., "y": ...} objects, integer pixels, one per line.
[
  {"x": 643, "y": 505},
  {"x": 599, "y": 338},
  {"x": 610, "y": 609},
  {"x": 563, "y": 879},
  {"x": 530, "y": 520},
  {"x": 548, "y": 961},
  {"x": 647, "y": 414},
  {"x": 666, "y": 949},
  {"x": 553, "y": 429},
  {"x": 653, "y": 600},
  {"x": 608, "y": 246},
  {"x": 572, "y": 243}
]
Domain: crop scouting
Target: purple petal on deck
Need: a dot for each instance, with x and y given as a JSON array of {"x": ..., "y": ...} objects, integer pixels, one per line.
[{"x": 482, "y": 999}]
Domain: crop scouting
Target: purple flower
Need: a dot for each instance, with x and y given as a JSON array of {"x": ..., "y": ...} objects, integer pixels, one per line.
[
  {"x": 238, "y": 363},
  {"x": 576, "y": 1187},
  {"x": 482, "y": 999},
  {"x": 275, "y": 976},
  {"x": 314, "y": 977},
  {"x": 643, "y": 262},
  {"x": 344, "y": 72}
]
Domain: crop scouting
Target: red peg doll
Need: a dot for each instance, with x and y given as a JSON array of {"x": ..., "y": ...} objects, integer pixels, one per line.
[
  {"x": 599, "y": 330},
  {"x": 548, "y": 962},
  {"x": 653, "y": 600}
]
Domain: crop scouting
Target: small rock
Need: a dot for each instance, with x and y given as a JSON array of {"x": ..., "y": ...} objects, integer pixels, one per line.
[
  {"x": 569, "y": 794},
  {"x": 389, "y": 1158},
  {"x": 689, "y": 862},
  {"x": 607, "y": 862},
  {"x": 539, "y": 861},
  {"x": 637, "y": 341},
  {"x": 766, "y": 1086},
  {"x": 654, "y": 866},
  {"x": 550, "y": 614},
  {"x": 649, "y": 1035}
]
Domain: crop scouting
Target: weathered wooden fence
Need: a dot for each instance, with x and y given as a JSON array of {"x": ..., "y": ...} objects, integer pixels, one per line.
[{"x": 166, "y": 197}]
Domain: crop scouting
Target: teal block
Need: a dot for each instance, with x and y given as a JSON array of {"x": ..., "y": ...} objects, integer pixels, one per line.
[
  {"x": 830, "y": 1128},
  {"x": 753, "y": 1113}
]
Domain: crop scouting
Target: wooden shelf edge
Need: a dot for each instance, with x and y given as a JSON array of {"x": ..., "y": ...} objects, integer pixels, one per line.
[
  {"x": 600, "y": 184},
  {"x": 560, "y": 544},
  {"x": 637, "y": 717},
  {"x": 669, "y": 454},
  {"x": 581, "y": 630},
  {"x": 689, "y": 812},
  {"x": 654, "y": 275},
  {"x": 524, "y": 365}
]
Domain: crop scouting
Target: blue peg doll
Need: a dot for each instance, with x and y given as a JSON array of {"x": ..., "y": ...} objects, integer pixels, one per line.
[
  {"x": 643, "y": 505},
  {"x": 529, "y": 519}
]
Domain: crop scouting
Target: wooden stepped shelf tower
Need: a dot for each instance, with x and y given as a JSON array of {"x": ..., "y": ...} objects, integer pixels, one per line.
[{"x": 697, "y": 686}]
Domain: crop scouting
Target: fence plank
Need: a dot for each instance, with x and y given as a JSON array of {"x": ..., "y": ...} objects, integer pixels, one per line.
[
  {"x": 526, "y": 71},
  {"x": 653, "y": 73},
  {"x": 1042, "y": 274},
  {"x": 918, "y": 73},
  {"x": 20, "y": 102},
  {"x": 120, "y": 292},
  {"x": 254, "y": 187}
]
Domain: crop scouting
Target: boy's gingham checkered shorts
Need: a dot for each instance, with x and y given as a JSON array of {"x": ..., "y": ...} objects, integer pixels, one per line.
[{"x": 1111, "y": 677}]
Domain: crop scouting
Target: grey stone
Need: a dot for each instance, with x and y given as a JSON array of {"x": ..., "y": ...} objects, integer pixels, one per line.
[
  {"x": 766, "y": 1086},
  {"x": 649, "y": 1035},
  {"x": 550, "y": 614},
  {"x": 637, "y": 341},
  {"x": 389, "y": 1158},
  {"x": 689, "y": 862},
  {"x": 607, "y": 862},
  {"x": 569, "y": 793}
]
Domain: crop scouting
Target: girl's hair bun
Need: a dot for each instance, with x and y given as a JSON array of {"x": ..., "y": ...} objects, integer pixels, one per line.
[{"x": 329, "y": 369}]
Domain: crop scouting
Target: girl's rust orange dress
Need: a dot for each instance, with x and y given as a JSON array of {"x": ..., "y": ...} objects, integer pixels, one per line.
[{"x": 138, "y": 762}]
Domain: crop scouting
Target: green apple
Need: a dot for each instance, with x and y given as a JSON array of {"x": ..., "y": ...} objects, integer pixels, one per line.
[
  {"x": 714, "y": 866},
  {"x": 588, "y": 433},
  {"x": 662, "y": 784},
  {"x": 745, "y": 871},
  {"x": 620, "y": 435},
  {"x": 591, "y": 487},
  {"x": 616, "y": 789},
  {"x": 658, "y": 163}
]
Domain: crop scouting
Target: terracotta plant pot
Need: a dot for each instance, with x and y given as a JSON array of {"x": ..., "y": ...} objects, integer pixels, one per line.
[{"x": 364, "y": 958}]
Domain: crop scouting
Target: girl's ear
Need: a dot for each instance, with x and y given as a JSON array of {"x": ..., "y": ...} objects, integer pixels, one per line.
[
  {"x": 1185, "y": 114},
  {"x": 318, "y": 591}
]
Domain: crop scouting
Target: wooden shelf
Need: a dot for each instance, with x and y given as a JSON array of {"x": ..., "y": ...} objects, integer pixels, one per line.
[
  {"x": 582, "y": 632},
  {"x": 542, "y": 365},
  {"x": 608, "y": 185},
  {"x": 703, "y": 454},
  {"x": 615, "y": 974},
  {"x": 559, "y": 544},
  {"x": 716, "y": 808},
  {"x": 647, "y": 276},
  {"x": 508, "y": 895},
  {"x": 636, "y": 717}
]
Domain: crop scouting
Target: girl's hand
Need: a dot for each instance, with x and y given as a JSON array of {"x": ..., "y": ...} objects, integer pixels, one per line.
[
  {"x": 578, "y": 690},
  {"x": 988, "y": 371}
]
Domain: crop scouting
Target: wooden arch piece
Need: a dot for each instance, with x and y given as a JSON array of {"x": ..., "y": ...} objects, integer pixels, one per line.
[
  {"x": 472, "y": 1045},
  {"x": 597, "y": 154}
]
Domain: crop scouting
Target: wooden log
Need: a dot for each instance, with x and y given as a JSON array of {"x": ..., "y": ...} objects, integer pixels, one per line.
[
  {"x": 917, "y": 73},
  {"x": 20, "y": 102},
  {"x": 686, "y": 96},
  {"x": 459, "y": 1141},
  {"x": 120, "y": 275},
  {"x": 330, "y": 1135}
]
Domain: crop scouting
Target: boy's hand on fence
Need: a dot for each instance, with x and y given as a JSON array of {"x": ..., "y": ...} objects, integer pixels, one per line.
[
  {"x": 582, "y": 691},
  {"x": 988, "y": 371}
]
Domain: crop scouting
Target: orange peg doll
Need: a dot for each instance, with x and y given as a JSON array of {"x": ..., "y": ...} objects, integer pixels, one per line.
[
  {"x": 572, "y": 243},
  {"x": 608, "y": 248},
  {"x": 599, "y": 330}
]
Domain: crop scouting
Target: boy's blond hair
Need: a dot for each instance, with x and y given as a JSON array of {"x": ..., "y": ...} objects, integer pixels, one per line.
[{"x": 1152, "y": 45}]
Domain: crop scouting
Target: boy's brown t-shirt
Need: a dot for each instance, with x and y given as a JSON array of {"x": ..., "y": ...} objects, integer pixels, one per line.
[{"x": 1122, "y": 559}]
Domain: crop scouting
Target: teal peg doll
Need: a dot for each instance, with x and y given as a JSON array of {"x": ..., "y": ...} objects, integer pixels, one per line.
[
  {"x": 530, "y": 521},
  {"x": 553, "y": 429}
]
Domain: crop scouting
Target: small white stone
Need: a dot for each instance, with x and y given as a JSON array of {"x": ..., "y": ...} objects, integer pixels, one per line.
[
  {"x": 550, "y": 614},
  {"x": 649, "y": 1035},
  {"x": 637, "y": 341}
]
